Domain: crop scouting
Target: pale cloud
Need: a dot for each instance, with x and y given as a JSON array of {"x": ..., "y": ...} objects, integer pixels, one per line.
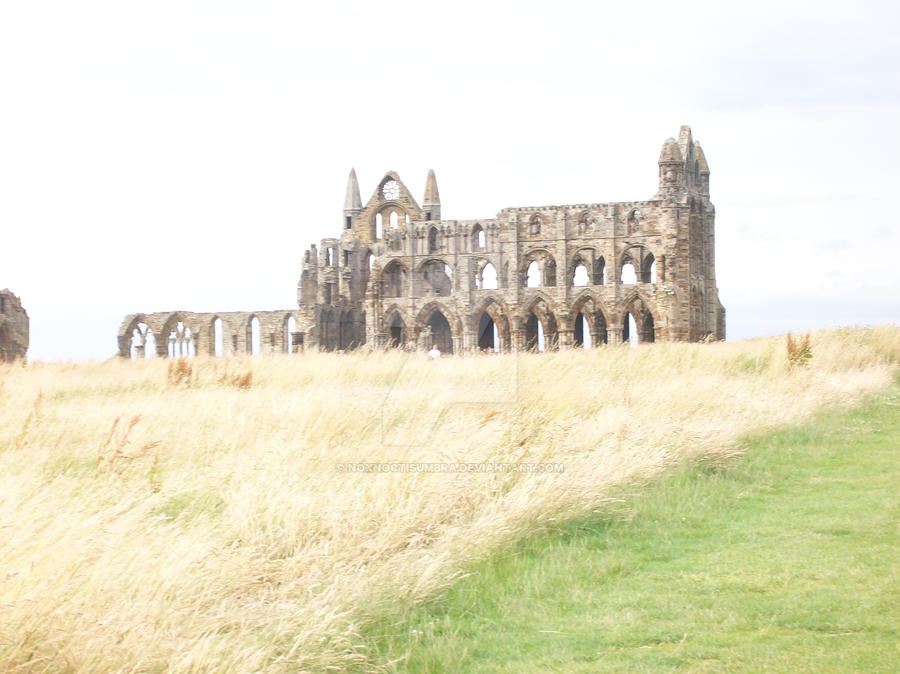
[{"x": 184, "y": 154}]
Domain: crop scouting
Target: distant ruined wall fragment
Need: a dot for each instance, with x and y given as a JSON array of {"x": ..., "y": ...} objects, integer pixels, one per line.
[{"x": 13, "y": 327}]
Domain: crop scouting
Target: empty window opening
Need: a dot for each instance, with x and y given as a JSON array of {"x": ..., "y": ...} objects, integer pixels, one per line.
[
  {"x": 634, "y": 220},
  {"x": 628, "y": 274},
  {"x": 489, "y": 277},
  {"x": 143, "y": 344},
  {"x": 348, "y": 222},
  {"x": 580, "y": 278},
  {"x": 290, "y": 329},
  {"x": 218, "y": 338},
  {"x": 582, "y": 331},
  {"x": 394, "y": 220},
  {"x": 653, "y": 272},
  {"x": 433, "y": 240},
  {"x": 600, "y": 271},
  {"x": 379, "y": 226},
  {"x": 254, "y": 336},
  {"x": 534, "y": 275},
  {"x": 629, "y": 330},
  {"x": 346, "y": 258},
  {"x": 181, "y": 343}
]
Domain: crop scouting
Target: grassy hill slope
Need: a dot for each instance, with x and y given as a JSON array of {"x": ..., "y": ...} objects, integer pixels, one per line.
[
  {"x": 784, "y": 561},
  {"x": 263, "y": 514}
]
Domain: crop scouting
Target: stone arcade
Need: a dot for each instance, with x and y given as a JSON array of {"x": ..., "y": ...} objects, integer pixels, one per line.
[{"x": 542, "y": 277}]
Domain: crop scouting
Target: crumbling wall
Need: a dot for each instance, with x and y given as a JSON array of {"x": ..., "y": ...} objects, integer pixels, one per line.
[
  {"x": 13, "y": 327},
  {"x": 184, "y": 333},
  {"x": 532, "y": 277}
]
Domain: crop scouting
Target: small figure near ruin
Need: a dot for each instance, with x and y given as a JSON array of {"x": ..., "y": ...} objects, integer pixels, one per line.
[{"x": 435, "y": 352}]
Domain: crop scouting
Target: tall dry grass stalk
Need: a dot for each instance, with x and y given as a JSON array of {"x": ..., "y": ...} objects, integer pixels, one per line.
[{"x": 239, "y": 545}]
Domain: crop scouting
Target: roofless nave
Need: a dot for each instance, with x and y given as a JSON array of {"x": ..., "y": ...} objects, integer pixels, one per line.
[{"x": 535, "y": 277}]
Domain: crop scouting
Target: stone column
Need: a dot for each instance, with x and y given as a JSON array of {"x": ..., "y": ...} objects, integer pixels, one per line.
[
  {"x": 162, "y": 345},
  {"x": 470, "y": 340}
]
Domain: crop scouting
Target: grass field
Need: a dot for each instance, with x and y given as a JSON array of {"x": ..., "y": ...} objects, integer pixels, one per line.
[
  {"x": 211, "y": 517},
  {"x": 786, "y": 560}
]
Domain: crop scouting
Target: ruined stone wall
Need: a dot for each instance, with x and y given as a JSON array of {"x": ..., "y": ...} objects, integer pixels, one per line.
[
  {"x": 185, "y": 333},
  {"x": 555, "y": 276},
  {"x": 402, "y": 268},
  {"x": 13, "y": 327}
]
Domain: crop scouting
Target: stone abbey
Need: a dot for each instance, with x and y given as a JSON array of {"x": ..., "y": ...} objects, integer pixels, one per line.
[{"x": 531, "y": 278}]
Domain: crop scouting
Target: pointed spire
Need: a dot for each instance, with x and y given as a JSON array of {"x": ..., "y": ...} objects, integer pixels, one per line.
[
  {"x": 352, "y": 201},
  {"x": 431, "y": 204},
  {"x": 432, "y": 198}
]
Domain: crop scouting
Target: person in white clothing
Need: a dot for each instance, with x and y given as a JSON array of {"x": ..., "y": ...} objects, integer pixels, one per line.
[{"x": 435, "y": 352}]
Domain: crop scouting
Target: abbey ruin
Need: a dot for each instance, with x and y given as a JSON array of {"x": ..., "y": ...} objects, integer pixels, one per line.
[
  {"x": 537, "y": 277},
  {"x": 13, "y": 327}
]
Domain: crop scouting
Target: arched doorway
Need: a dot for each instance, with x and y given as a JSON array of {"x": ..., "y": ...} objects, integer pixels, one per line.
[
  {"x": 541, "y": 329},
  {"x": 582, "y": 332},
  {"x": 396, "y": 331},
  {"x": 440, "y": 332},
  {"x": 648, "y": 333},
  {"x": 488, "y": 336}
]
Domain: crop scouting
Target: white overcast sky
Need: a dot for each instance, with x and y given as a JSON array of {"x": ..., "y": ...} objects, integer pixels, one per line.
[{"x": 183, "y": 155}]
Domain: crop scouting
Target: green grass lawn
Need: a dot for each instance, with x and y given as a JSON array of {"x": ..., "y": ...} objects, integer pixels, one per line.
[{"x": 788, "y": 560}]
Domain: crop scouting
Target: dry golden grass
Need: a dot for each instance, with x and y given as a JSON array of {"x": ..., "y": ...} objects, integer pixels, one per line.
[{"x": 147, "y": 524}]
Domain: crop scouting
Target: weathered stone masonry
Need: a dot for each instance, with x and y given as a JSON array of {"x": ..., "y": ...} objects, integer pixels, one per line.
[
  {"x": 555, "y": 276},
  {"x": 13, "y": 327}
]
